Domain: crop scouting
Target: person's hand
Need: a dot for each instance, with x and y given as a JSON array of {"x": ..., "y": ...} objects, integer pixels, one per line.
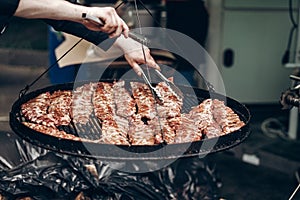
[
  {"x": 136, "y": 54},
  {"x": 136, "y": 58},
  {"x": 112, "y": 23}
]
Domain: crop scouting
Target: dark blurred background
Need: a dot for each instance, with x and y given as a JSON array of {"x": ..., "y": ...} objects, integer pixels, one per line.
[{"x": 266, "y": 164}]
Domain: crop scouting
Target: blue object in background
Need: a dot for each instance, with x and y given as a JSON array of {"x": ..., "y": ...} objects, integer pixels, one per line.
[{"x": 58, "y": 75}]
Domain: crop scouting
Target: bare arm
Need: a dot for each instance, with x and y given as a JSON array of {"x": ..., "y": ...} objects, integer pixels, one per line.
[
  {"x": 64, "y": 10},
  {"x": 61, "y": 10}
]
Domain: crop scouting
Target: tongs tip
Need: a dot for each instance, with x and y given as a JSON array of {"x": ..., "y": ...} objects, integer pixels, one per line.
[
  {"x": 156, "y": 94},
  {"x": 176, "y": 91},
  {"x": 173, "y": 88}
]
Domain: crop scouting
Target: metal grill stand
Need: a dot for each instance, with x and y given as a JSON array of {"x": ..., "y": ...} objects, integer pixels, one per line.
[{"x": 294, "y": 113}]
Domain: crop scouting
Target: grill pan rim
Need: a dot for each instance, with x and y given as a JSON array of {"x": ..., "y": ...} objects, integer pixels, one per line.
[{"x": 78, "y": 148}]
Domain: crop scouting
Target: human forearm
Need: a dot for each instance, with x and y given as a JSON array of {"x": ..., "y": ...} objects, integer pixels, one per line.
[
  {"x": 66, "y": 11},
  {"x": 50, "y": 9}
]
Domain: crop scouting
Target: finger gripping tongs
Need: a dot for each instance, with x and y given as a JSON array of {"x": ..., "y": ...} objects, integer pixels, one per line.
[{"x": 135, "y": 36}]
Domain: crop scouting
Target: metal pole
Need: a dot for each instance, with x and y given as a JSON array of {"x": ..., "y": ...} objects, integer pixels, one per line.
[
  {"x": 294, "y": 112},
  {"x": 295, "y": 191}
]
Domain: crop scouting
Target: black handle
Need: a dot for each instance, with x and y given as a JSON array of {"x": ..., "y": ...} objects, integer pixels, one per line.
[{"x": 228, "y": 58}]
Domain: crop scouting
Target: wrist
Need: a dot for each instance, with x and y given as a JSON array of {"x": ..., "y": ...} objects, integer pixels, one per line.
[
  {"x": 75, "y": 13},
  {"x": 127, "y": 44}
]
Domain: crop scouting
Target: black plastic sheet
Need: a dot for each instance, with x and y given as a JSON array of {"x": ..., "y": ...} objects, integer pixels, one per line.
[{"x": 42, "y": 174}]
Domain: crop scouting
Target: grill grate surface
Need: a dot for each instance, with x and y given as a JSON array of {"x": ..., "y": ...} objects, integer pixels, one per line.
[{"x": 93, "y": 129}]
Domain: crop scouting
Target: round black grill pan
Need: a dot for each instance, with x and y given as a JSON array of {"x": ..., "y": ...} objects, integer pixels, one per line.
[{"x": 120, "y": 152}]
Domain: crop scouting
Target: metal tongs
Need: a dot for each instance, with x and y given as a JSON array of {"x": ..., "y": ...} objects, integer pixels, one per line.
[
  {"x": 170, "y": 84},
  {"x": 137, "y": 37},
  {"x": 143, "y": 40},
  {"x": 155, "y": 93},
  {"x": 174, "y": 89}
]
